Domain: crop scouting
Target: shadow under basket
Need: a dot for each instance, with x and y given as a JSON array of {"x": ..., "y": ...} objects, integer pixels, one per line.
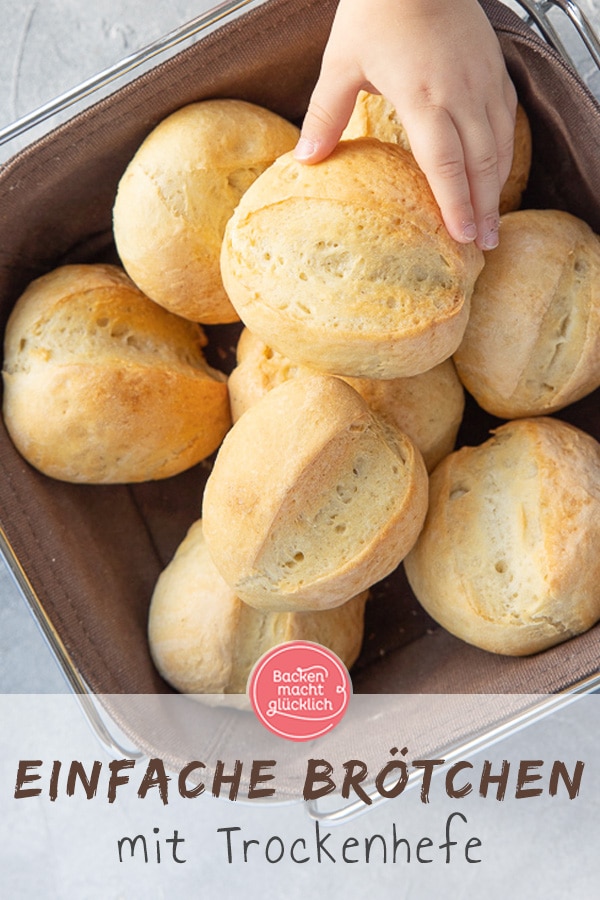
[{"x": 92, "y": 554}]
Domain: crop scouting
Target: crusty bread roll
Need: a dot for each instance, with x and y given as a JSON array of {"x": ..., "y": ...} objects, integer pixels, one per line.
[
  {"x": 101, "y": 385},
  {"x": 178, "y": 192},
  {"x": 204, "y": 640},
  {"x": 312, "y": 498},
  {"x": 427, "y": 407},
  {"x": 374, "y": 116},
  {"x": 532, "y": 344},
  {"x": 513, "y": 189},
  {"x": 508, "y": 558},
  {"x": 346, "y": 265}
]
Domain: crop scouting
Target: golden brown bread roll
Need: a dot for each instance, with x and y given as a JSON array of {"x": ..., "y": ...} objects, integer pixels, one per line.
[
  {"x": 258, "y": 370},
  {"x": 508, "y": 558},
  {"x": 312, "y": 498},
  {"x": 513, "y": 189},
  {"x": 346, "y": 265},
  {"x": 101, "y": 385},
  {"x": 178, "y": 192},
  {"x": 532, "y": 344},
  {"x": 427, "y": 407},
  {"x": 374, "y": 116},
  {"x": 204, "y": 640}
]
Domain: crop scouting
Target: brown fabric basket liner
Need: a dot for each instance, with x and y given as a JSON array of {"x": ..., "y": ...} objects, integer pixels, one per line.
[{"x": 93, "y": 553}]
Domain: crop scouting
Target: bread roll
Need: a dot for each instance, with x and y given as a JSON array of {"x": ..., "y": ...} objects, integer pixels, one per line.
[
  {"x": 508, "y": 558},
  {"x": 178, "y": 192},
  {"x": 532, "y": 344},
  {"x": 374, "y": 116},
  {"x": 427, "y": 407},
  {"x": 204, "y": 640},
  {"x": 346, "y": 265},
  {"x": 312, "y": 498},
  {"x": 258, "y": 370},
  {"x": 513, "y": 189},
  {"x": 101, "y": 385}
]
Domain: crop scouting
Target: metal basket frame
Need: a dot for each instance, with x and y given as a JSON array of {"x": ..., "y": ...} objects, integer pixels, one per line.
[{"x": 535, "y": 12}]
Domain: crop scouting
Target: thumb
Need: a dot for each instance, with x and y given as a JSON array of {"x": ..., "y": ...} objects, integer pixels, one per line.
[{"x": 330, "y": 107}]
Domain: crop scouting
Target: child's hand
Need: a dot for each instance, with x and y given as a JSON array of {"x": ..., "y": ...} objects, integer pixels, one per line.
[{"x": 439, "y": 63}]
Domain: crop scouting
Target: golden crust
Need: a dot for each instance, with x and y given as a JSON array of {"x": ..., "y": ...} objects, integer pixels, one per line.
[
  {"x": 346, "y": 265},
  {"x": 374, "y": 116},
  {"x": 204, "y": 640},
  {"x": 101, "y": 385},
  {"x": 427, "y": 407},
  {"x": 532, "y": 344},
  {"x": 508, "y": 557},
  {"x": 514, "y": 187},
  {"x": 312, "y": 498},
  {"x": 178, "y": 192}
]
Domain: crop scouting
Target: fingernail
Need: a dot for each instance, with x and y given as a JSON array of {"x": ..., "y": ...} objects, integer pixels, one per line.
[
  {"x": 490, "y": 241},
  {"x": 470, "y": 231},
  {"x": 490, "y": 238},
  {"x": 305, "y": 148}
]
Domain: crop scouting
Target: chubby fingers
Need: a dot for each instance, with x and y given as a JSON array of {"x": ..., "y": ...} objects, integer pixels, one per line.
[
  {"x": 488, "y": 164},
  {"x": 329, "y": 109},
  {"x": 466, "y": 163}
]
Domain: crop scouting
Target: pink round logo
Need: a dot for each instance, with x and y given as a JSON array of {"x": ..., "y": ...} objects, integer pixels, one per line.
[{"x": 299, "y": 690}]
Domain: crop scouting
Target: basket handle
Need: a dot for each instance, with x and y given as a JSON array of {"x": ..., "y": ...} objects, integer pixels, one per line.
[{"x": 537, "y": 13}]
